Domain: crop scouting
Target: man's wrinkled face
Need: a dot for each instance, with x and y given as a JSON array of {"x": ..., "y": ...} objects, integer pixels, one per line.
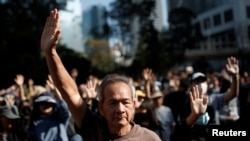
[{"x": 118, "y": 107}]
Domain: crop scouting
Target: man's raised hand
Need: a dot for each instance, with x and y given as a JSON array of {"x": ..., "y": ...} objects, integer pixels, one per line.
[{"x": 51, "y": 32}]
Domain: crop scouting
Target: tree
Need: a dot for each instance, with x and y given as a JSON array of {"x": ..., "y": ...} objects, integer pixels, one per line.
[
  {"x": 157, "y": 50},
  {"x": 99, "y": 55},
  {"x": 182, "y": 34},
  {"x": 124, "y": 13},
  {"x": 21, "y": 26},
  {"x": 148, "y": 48}
]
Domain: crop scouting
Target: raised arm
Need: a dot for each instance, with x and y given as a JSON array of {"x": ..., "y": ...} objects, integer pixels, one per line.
[
  {"x": 147, "y": 74},
  {"x": 53, "y": 88},
  {"x": 90, "y": 89},
  {"x": 19, "y": 82},
  {"x": 232, "y": 68},
  {"x": 61, "y": 78}
]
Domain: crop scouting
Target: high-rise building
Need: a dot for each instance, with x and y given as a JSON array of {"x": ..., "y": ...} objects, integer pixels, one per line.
[
  {"x": 93, "y": 23},
  {"x": 225, "y": 25},
  {"x": 160, "y": 15}
]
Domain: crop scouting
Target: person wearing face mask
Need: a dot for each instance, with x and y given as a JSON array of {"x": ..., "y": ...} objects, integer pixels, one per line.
[
  {"x": 200, "y": 130},
  {"x": 217, "y": 101},
  {"x": 200, "y": 80}
]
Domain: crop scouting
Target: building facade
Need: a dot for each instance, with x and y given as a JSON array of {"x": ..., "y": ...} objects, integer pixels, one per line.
[
  {"x": 225, "y": 25},
  {"x": 93, "y": 24}
]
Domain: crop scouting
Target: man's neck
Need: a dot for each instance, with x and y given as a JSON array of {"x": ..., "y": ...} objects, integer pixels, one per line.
[{"x": 121, "y": 131}]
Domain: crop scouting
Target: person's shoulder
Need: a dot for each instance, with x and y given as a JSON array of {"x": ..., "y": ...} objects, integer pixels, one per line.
[
  {"x": 147, "y": 134},
  {"x": 216, "y": 100},
  {"x": 165, "y": 108},
  {"x": 216, "y": 96}
]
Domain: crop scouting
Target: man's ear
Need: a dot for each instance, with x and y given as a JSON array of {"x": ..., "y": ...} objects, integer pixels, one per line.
[
  {"x": 100, "y": 108},
  {"x": 134, "y": 107},
  {"x": 134, "y": 104}
]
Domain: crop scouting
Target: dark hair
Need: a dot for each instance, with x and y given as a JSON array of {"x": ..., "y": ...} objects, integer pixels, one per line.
[
  {"x": 2, "y": 102},
  {"x": 150, "y": 115},
  {"x": 113, "y": 78}
]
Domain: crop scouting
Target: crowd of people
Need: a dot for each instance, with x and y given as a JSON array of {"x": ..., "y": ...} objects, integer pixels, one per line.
[{"x": 181, "y": 105}]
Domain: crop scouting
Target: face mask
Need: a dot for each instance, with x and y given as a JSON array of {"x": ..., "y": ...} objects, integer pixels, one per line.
[
  {"x": 204, "y": 87},
  {"x": 203, "y": 119}
]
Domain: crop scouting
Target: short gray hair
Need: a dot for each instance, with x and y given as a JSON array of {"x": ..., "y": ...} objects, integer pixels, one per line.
[{"x": 113, "y": 78}]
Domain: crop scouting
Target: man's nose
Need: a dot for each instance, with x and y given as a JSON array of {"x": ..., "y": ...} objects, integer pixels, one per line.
[{"x": 120, "y": 107}]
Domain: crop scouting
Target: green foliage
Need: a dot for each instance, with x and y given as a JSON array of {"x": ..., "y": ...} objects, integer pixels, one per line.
[
  {"x": 102, "y": 61},
  {"x": 99, "y": 55}
]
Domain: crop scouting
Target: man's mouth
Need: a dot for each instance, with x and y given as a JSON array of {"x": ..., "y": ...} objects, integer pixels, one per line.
[{"x": 120, "y": 117}]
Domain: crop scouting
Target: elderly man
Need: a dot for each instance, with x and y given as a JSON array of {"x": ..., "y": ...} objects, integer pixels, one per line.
[{"x": 116, "y": 98}]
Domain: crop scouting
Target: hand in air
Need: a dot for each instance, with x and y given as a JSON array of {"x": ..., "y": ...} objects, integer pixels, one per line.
[
  {"x": 198, "y": 101},
  {"x": 51, "y": 32}
]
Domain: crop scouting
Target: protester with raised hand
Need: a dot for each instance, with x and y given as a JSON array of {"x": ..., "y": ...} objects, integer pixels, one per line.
[
  {"x": 91, "y": 92},
  {"x": 217, "y": 101},
  {"x": 147, "y": 74},
  {"x": 20, "y": 82},
  {"x": 50, "y": 116},
  {"x": 116, "y": 97},
  {"x": 72, "y": 135}
]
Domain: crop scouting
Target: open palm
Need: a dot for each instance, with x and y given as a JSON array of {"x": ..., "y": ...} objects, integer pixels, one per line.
[
  {"x": 198, "y": 101},
  {"x": 232, "y": 65},
  {"x": 51, "y": 32}
]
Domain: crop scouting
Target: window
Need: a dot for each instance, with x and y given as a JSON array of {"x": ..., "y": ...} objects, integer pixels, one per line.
[
  {"x": 228, "y": 15},
  {"x": 206, "y": 23},
  {"x": 248, "y": 29},
  {"x": 248, "y": 12},
  {"x": 231, "y": 38},
  {"x": 217, "y": 20}
]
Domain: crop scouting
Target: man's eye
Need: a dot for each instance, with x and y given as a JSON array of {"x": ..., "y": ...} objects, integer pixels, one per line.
[
  {"x": 126, "y": 102},
  {"x": 112, "y": 103}
]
